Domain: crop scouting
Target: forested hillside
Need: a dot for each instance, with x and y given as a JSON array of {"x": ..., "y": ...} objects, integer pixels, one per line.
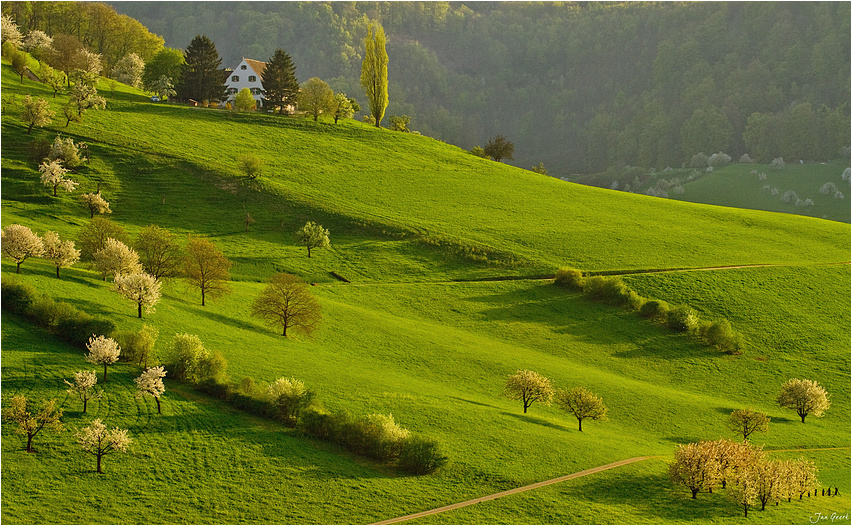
[{"x": 580, "y": 87}]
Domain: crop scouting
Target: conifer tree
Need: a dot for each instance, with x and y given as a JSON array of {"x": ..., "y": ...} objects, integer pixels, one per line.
[
  {"x": 200, "y": 77},
  {"x": 279, "y": 81},
  {"x": 374, "y": 73}
]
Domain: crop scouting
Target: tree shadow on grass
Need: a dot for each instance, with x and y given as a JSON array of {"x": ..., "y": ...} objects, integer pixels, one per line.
[
  {"x": 589, "y": 321},
  {"x": 536, "y": 420},
  {"x": 225, "y": 320},
  {"x": 474, "y": 402}
]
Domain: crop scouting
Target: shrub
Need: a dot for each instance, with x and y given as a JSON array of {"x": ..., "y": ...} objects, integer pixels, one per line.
[
  {"x": 38, "y": 150},
  {"x": 569, "y": 278},
  {"x": 746, "y": 158},
  {"x": 699, "y": 160},
  {"x": 47, "y": 313},
  {"x": 138, "y": 346},
  {"x": 608, "y": 289},
  {"x": 420, "y": 456},
  {"x": 721, "y": 335},
  {"x": 381, "y": 436},
  {"x": 214, "y": 367},
  {"x": 719, "y": 159},
  {"x": 654, "y": 309},
  {"x": 185, "y": 356},
  {"x": 682, "y": 318},
  {"x": 17, "y": 296},
  {"x": 777, "y": 163},
  {"x": 317, "y": 423},
  {"x": 79, "y": 327},
  {"x": 289, "y": 396}
]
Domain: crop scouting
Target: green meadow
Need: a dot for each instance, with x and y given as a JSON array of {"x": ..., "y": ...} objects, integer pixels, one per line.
[{"x": 423, "y": 332}]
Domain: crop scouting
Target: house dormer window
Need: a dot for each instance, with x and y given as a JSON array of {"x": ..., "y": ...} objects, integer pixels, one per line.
[
  {"x": 252, "y": 78},
  {"x": 235, "y": 78},
  {"x": 243, "y": 66}
]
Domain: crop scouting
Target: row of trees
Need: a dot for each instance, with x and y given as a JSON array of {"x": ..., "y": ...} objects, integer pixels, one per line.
[{"x": 744, "y": 470}]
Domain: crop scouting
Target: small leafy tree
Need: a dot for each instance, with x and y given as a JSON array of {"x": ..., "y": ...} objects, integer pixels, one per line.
[
  {"x": 286, "y": 302},
  {"x": 581, "y": 403},
  {"x": 102, "y": 350},
  {"x": 116, "y": 258},
  {"x": 805, "y": 396},
  {"x": 748, "y": 421},
  {"x": 53, "y": 174},
  {"x": 36, "y": 113},
  {"x": 83, "y": 98},
  {"x": 163, "y": 87},
  {"x": 138, "y": 346},
  {"x": 54, "y": 78},
  {"x": 31, "y": 421},
  {"x": 316, "y": 98},
  {"x": 499, "y": 148},
  {"x": 313, "y": 236},
  {"x": 150, "y": 383},
  {"x": 93, "y": 237},
  {"x": 19, "y": 62},
  {"x": 399, "y": 123},
  {"x": 206, "y": 268},
  {"x": 19, "y": 243},
  {"x": 540, "y": 169},
  {"x": 244, "y": 100},
  {"x": 289, "y": 396},
  {"x": 37, "y": 42},
  {"x": 745, "y": 486},
  {"x": 804, "y": 477},
  {"x": 61, "y": 253},
  {"x": 141, "y": 288},
  {"x": 159, "y": 252},
  {"x": 99, "y": 441},
  {"x": 250, "y": 165},
  {"x": 129, "y": 70},
  {"x": 84, "y": 387},
  {"x": 342, "y": 107},
  {"x": 529, "y": 387},
  {"x": 479, "y": 152},
  {"x": 64, "y": 149}
]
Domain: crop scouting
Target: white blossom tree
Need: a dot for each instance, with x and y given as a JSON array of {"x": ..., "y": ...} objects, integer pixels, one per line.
[
  {"x": 312, "y": 236},
  {"x": 581, "y": 403},
  {"x": 129, "y": 70},
  {"x": 84, "y": 387},
  {"x": 140, "y": 288},
  {"x": 9, "y": 31},
  {"x": 37, "y": 42},
  {"x": 116, "y": 258},
  {"x": 19, "y": 243},
  {"x": 95, "y": 203},
  {"x": 99, "y": 441},
  {"x": 102, "y": 350},
  {"x": 53, "y": 174},
  {"x": 805, "y": 396},
  {"x": 61, "y": 253},
  {"x": 150, "y": 383}
]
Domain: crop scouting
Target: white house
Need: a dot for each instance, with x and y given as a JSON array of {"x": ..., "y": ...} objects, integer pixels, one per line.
[{"x": 247, "y": 74}]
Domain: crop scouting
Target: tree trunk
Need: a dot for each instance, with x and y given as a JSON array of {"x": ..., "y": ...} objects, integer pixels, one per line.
[
  {"x": 803, "y": 417},
  {"x": 29, "y": 443},
  {"x": 745, "y": 507},
  {"x": 18, "y": 268},
  {"x": 99, "y": 463},
  {"x": 140, "y": 309},
  {"x": 105, "y": 366},
  {"x": 694, "y": 492},
  {"x": 285, "y": 331},
  {"x": 54, "y": 190},
  {"x": 57, "y": 272},
  {"x": 309, "y": 251},
  {"x": 85, "y": 403},
  {"x": 580, "y": 420},
  {"x": 202, "y": 297},
  {"x": 159, "y": 412}
]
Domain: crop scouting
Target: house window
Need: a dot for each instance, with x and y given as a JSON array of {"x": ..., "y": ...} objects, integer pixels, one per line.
[
  {"x": 243, "y": 66},
  {"x": 252, "y": 78},
  {"x": 235, "y": 78}
]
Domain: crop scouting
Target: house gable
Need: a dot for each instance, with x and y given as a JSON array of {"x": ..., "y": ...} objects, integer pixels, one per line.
[{"x": 247, "y": 74}]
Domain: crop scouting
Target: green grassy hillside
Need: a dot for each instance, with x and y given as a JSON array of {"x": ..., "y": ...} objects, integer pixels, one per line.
[{"x": 408, "y": 215}]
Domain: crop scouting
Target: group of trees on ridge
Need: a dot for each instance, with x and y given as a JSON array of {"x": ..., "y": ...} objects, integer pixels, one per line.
[{"x": 579, "y": 87}]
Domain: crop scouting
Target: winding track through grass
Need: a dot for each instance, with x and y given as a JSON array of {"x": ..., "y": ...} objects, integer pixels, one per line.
[{"x": 557, "y": 480}]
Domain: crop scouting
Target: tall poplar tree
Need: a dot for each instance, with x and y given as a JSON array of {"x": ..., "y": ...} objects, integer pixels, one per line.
[
  {"x": 201, "y": 79},
  {"x": 279, "y": 81},
  {"x": 374, "y": 72}
]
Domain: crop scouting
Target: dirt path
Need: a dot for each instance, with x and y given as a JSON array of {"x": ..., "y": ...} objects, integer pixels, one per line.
[{"x": 514, "y": 491}]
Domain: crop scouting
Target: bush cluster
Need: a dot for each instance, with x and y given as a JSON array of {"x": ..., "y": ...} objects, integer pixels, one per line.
[
  {"x": 375, "y": 436},
  {"x": 61, "y": 318},
  {"x": 682, "y": 318}
]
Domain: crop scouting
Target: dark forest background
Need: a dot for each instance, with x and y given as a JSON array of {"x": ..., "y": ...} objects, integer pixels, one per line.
[{"x": 581, "y": 87}]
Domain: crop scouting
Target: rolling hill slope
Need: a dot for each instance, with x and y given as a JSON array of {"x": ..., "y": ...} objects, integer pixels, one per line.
[{"x": 407, "y": 216}]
